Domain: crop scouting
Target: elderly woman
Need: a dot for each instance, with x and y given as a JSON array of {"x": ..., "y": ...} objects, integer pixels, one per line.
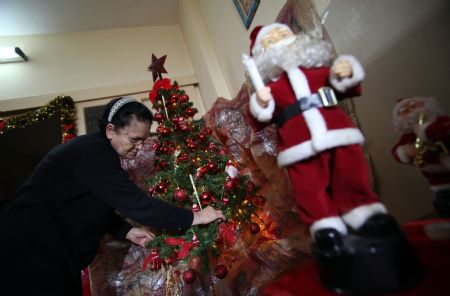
[{"x": 51, "y": 230}]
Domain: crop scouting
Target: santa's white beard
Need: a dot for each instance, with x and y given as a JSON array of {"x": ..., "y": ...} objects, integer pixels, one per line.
[
  {"x": 305, "y": 51},
  {"x": 406, "y": 123}
]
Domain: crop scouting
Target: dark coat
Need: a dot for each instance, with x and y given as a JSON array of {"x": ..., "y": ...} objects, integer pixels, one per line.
[{"x": 51, "y": 230}]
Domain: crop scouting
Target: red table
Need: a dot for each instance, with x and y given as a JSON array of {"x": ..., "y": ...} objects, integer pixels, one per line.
[{"x": 434, "y": 255}]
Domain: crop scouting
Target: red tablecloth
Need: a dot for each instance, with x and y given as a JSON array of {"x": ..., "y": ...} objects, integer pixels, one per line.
[{"x": 434, "y": 255}]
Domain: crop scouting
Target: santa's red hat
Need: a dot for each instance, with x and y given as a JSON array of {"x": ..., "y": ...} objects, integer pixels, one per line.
[{"x": 258, "y": 34}]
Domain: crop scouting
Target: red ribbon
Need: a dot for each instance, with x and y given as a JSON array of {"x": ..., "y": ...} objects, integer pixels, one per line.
[
  {"x": 227, "y": 233},
  {"x": 186, "y": 246},
  {"x": 160, "y": 84},
  {"x": 68, "y": 137},
  {"x": 2, "y": 125},
  {"x": 174, "y": 241},
  {"x": 154, "y": 259},
  {"x": 68, "y": 126}
]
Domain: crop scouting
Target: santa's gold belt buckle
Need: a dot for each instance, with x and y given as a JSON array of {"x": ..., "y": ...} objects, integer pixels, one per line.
[{"x": 327, "y": 96}]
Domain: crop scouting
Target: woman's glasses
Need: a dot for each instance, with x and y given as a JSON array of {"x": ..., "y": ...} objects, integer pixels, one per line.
[{"x": 135, "y": 141}]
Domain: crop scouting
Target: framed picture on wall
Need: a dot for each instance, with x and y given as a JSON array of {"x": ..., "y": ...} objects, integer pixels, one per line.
[
  {"x": 246, "y": 9},
  {"x": 90, "y": 111}
]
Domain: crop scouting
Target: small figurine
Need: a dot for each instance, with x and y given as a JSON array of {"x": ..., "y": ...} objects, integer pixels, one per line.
[
  {"x": 297, "y": 87},
  {"x": 424, "y": 143}
]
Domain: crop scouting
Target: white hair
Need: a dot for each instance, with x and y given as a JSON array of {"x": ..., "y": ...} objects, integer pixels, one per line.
[
  {"x": 405, "y": 123},
  {"x": 306, "y": 51}
]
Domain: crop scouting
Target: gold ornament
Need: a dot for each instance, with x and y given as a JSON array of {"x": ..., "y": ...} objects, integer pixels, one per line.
[{"x": 436, "y": 148}]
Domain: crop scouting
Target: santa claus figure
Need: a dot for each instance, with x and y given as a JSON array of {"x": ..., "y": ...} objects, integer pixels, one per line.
[
  {"x": 297, "y": 87},
  {"x": 424, "y": 143}
]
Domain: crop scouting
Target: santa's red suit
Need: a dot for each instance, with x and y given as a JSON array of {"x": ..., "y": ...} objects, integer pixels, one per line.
[
  {"x": 436, "y": 165},
  {"x": 321, "y": 150}
]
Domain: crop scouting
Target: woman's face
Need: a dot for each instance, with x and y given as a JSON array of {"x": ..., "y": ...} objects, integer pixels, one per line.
[{"x": 129, "y": 140}]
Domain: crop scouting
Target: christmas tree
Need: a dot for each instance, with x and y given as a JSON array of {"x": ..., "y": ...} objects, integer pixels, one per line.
[{"x": 194, "y": 171}]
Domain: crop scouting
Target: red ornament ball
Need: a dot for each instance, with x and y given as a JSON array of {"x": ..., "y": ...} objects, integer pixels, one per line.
[
  {"x": 174, "y": 97},
  {"x": 208, "y": 131},
  {"x": 201, "y": 137},
  {"x": 221, "y": 271},
  {"x": 165, "y": 131},
  {"x": 250, "y": 198},
  {"x": 254, "y": 228},
  {"x": 206, "y": 198},
  {"x": 190, "y": 112},
  {"x": 192, "y": 146},
  {"x": 212, "y": 146},
  {"x": 184, "y": 98},
  {"x": 225, "y": 201},
  {"x": 259, "y": 200},
  {"x": 162, "y": 164},
  {"x": 212, "y": 167},
  {"x": 250, "y": 186},
  {"x": 158, "y": 117},
  {"x": 151, "y": 191},
  {"x": 180, "y": 195},
  {"x": 202, "y": 169},
  {"x": 183, "y": 157},
  {"x": 155, "y": 145},
  {"x": 161, "y": 187},
  {"x": 229, "y": 185},
  {"x": 176, "y": 119},
  {"x": 184, "y": 127},
  {"x": 189, "y": 276}
]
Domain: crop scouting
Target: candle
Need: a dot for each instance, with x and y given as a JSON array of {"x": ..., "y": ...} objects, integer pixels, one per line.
[{"x": 253, "y": 72}]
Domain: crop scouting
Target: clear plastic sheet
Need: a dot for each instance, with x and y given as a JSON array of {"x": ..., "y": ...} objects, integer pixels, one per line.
[{"x": 141, "y": 167}]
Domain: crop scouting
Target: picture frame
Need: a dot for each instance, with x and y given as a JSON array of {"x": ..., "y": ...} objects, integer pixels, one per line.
[
  {"x": 246, "y": 9},
  {"x": 89, "y": 111}
]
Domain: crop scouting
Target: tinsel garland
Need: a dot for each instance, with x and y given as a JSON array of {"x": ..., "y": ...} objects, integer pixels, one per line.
[{"x": 64, "y": 104}]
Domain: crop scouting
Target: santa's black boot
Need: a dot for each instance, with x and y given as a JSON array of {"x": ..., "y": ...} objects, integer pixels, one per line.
[
  {"x": 328, "y": 240},
  {"x": 442, "y": 203},
  {"x": 377, "y": 258}
]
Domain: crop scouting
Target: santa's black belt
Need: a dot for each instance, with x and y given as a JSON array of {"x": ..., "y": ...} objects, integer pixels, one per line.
[{"x": 324, "y": 97}]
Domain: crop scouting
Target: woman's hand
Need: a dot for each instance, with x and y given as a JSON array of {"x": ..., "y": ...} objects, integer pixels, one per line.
[
  {"x": 207, "y": 215},
  {"x": 140, "y": 235}
]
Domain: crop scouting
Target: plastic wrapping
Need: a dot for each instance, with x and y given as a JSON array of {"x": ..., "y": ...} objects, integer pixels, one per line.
[{"x": 141, "y": 167}]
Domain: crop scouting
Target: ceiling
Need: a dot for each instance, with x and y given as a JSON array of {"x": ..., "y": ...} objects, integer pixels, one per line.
[{"x": 30, "y": 17}]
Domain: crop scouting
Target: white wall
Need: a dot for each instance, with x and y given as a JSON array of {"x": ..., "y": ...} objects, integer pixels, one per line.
[
  {"x": 404, "y": 46},
  {"x": 206, "y": 65},
  {"x": 67, "y": 63},
  {"x": 229, "y": 36}
]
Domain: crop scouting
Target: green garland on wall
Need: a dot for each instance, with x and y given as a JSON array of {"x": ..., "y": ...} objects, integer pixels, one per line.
[{"x": 64, "y": 104}]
